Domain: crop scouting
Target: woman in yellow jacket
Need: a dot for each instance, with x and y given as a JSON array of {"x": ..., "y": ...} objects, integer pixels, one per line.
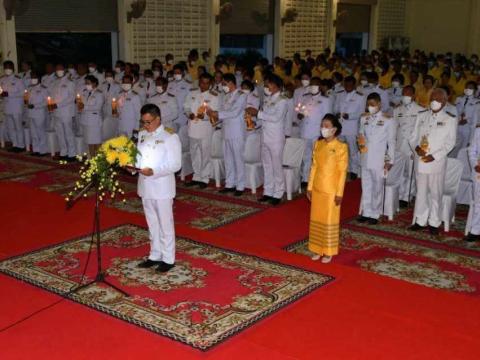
[{"x": 325, "y": 190}]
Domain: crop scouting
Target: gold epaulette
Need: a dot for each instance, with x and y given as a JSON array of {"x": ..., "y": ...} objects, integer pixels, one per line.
[{"x": 169, "y": 130}]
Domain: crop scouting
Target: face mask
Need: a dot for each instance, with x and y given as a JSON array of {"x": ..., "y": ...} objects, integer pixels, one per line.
[
  {"x": 314, "y": 89},
  {"x": 89, "y": 87},
  {"x": 225, "y": 89},
  {"x": 159, "y": 89},
  {"x": 395, "y": 84},
  {"x": 109, "y": 79},
  {"x": 364, "y": 82},
  {"x": 126, "y": 87},
  {"x": 8, "y": 72},
  {"x": 305, "y": 83},
  {"x": 60, "y": 73},
  {"x": 118, "y": 70},
  {"x": 170, "y": 79},
  {"x": 435, "y": 105},
  {"x": 156, "y": 73},
  {"x": 91, "y": 69},
  {"x": 34, "y": 81},
  {"x": 177, "y": 77},
  {"x": 71, "y": 71},
  {"x": 373, "y": 109},
  {"x": 170, "y": 62},
  {"x": 468, "y": 92},
  {"x": 267, "y": 91},
  {"x": 406, "y": 100},
  {"x": 326, "y": 132},
  {"x": 246, "y": 91}
]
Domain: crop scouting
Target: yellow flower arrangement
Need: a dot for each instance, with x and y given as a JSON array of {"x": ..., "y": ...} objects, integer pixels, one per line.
[{"x": 114, "y": 153}]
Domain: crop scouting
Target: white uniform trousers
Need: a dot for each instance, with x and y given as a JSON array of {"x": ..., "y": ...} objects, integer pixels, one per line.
[
  {"x": 38, "y": 134},
  {"x": 159, "y": 216},
  {"x": 463, "y": 138},
  {"x": 372, "y": 193},
  {"x": 65, "y": 135},
  {"x": 109, "y": 127},
  {"x": 233, "y": 150},
  {"x": 200, "y": 153},
  {"x": 429, "y": 199},
  {"x": 3, "y": 132},
  {"x": 408, "y": 177},
  {"x": 15, "y": 129},
  {"x": 307, "y": 159},
  {"x": 77, "y": 125},
  {"x": 272, "y": 159},
  {"x": 475, "y": 230},
  {"x": 353, "y": 154}
]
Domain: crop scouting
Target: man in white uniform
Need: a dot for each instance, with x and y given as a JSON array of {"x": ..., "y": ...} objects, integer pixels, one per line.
[
  {"x": 474, "y": 156},
  {"x": 129, "y": 105},
  {"x": 166, "y": 102},
  {"x": 349, "y": 106},
  {"x": 405, "y": 116},
  {"x": 467, "y": 111},
  {"x": 377, "y": 134},
  {"x": 200, "y": 129},
  {"x": 37, "y": 114},
  {"x": 433, "y": 138},
  {"x": 180, "y": 88},
  {"x": 159, "y": 159},
  {"x": 49, "y": 77},
  {"x": 12, "y": 90},
  {"x": 272, "y": 116},
  {"x": 231, "y": 114},
  {"x": 111, "y": 90},
  {"x": 395, "y": 92},
  {"x": 62, "y": 93}
]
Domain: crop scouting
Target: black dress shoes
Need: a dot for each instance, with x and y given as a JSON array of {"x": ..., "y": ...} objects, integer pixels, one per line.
[
  {"x": 362, "y": 219},
  {"x": 227, "y": 190},
  {"x": 202, "y": 185},
  {"x": 238, "y": 193},
  {"x": 471, "y": 237},
  {"x": 265, "y": 198},
  {"x": 163, "y": 267},
  {"x": 416, "y": 227},
  {"x": 148, "y": 264},
  {"x": 433, "y": 230},
  {"x": 372, "y": 221},
  {"x": 275, "y": 201},
  {"x": 403, "y": 204},
  {"x": 191, "y": 183}
]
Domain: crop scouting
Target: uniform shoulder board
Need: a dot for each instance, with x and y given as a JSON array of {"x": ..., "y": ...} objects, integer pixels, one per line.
[
  {"x": 169, "y": 130},
  {"x": 140, "y": 86},
  {"x": 339, "y": 91},
  {"x": 422, "y": 111},
  {"x": 477, "y": 102},
  {"x": 359, "y": 93},
  {"x": 193, "y": 89},
  {"x": 214, "y": 93},
  {"x": 388, "y": 116},
  {"x": 100, "y": 91},
  {"x": 283, "y": 97},
  {"x": 449, "y": 113},
  {"x": 169, "y": 94},
  {"x": 255, "y": 95},
  {"x": 133, "y": 91},
  {"x": 381, "y": 87},
  {"x": 188, "y": 81},
  {"x": 306, "y": 94},
  {"x": 43, "y": 86},
  {"x": 365, "y": 114}
]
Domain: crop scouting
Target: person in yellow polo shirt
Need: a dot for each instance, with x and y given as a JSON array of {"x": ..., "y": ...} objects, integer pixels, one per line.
[
  {"x": 458, "y": 81},
  {"x": 423, "y": 96}
]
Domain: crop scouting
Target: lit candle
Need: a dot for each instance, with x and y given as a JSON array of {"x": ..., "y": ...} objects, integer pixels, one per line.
[
  {"x": 50, "y": 104},
  {"x": 25, "y": 97},
  {"x": 114, "y": 106},
  {"x": 79, "y": 102}
]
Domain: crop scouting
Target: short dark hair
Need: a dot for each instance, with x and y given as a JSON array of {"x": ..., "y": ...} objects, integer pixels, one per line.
[
  {"x": 130, "y": 77},
  {"x": 248, "y": 84},
  {"x": 372, "y": 75},
  {"x": 399, "y": 77},
  {"x": 205, "y": 75},
  {"x": 230, "y": 78},
  {"x": 151, "y": 109},
  {"x": 335, "y": 123},
  {"x": 92, "y": 79},
  {"x": 374, "y": 96},
  {"x": 350, "y": 79},
  {"x": 8, "y": 63},
  {"x": 277, "y": 80},
  {"x": 409, "y": 87}
]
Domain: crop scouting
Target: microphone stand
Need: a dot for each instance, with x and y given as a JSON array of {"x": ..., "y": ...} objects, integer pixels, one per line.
[{"x": 100, "y": 277}]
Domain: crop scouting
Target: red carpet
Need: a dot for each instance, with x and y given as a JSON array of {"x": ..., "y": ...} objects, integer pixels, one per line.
[{"x": 360, "y": 316}]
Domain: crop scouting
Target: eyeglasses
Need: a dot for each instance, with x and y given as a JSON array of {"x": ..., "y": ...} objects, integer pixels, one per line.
[{"x": 147, "y": 123}]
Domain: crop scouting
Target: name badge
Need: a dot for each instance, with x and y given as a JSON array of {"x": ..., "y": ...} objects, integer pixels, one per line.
[
  {"x": 440, "y": 123},
  {"x": 142, "y": 139},
  {"x": 158, "y": 141},
  {"x": 380, "y": 123}
]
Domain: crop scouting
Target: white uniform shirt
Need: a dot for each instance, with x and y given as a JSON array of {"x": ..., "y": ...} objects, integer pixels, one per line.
[
  {"x": 231, "y": 113},
  {"x": 406, "y": 117},
  {"x": 474, "y": 153},
  {"x": 141, "y": 91},
  {"x": 200, "y": 128},
  {"x": 63, "y": 94},
  {"x": 91, "y": 114},
  {"x": 273, "y": 115},
  {"x": 48, "y": 80},
  {"x": 25, "y": 76},
  {"x": 395, "y": 95},
  {"x": 167, "y": 104},
  {"x": 37, "y": 96},
  {"x": 353, "y": 104},
  {"x": 160, "y": 151},
  {"x": 440, "y": 130},
  {"x": 316, "y": 106},
  {"x": 180, "y": 89},
  {"x": 13, "y": 103},
  {"x": 468, "y": 106},
  {"x": 110, "y": 91},
  {"x": 129, "y": 105}
]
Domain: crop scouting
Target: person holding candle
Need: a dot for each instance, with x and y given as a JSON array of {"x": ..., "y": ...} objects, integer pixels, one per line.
[
  {"x": 37, "y": 114},
  {"x": 111, "y": 91},
  {"x": 129, "y": 105},
  {"x": 166, "y": 102},
  {"x": 91, "y": 119},
  {"x": 200, "y": 129},
  {"x": 325, "y": 190},
  {"x": 433, "y": 138}
]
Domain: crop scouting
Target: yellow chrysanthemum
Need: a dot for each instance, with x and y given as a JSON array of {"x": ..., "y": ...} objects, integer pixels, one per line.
[
  {"x": 119, "y": 142},
  {"x": 123, "y": 159},
  {"x": 111, "y": 156}
]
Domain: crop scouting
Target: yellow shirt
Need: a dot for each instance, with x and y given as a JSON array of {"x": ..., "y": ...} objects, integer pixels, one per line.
[
  {"x": 329, "y": 167},
  {"x": 457, "y": 87},
  {"x": 295, "y": 69},
  {"x": 326, "y": 74},
  {"x": 423, "y": 97},
  {"x": 436, "y": 72},
  {"x": 385, "y": 80}
]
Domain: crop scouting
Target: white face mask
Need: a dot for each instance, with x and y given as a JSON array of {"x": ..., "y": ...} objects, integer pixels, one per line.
[
  {"x": 126, "y": 87},
  {"x": 170, "y": 62},
  {"x": 373, "y": 109},
  {"x": 395, "y": 84},
  {"x": 267, "y": 91},
  {"x": 225, "y": 89},
  {"x": 159, "y": 89},
  {"x": 246, "y": 91},
  {"x": 468, "y": 92},
  {"x": 89, "y": 87},
  {"x": 118, "y": 70},
  {"x": 305, "y": 83},
  {"x": 326, "y": 132},
  {"x": 364, "y": 82},
  {"x": 71, "y": 71},
  {"x": 34, "y": 81},
  {"x": 314, "y": 89},
  {"x": 406, "y": 100},
  {"x": 60, "y": 73},
  {"x": 8, "y": 72},
  {"x": 156, "y": 73},
  {"x": 91, "y": 69},
  {"x": 109, "y": 79},
  {"x": 177, "y": 77},
  {"x": 435, "y": 105}
]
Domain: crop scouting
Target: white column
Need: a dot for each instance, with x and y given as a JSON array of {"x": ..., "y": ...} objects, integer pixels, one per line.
[
  {"x": 8, "y": 39},
  {"x": 214, "y": 29},
  {"x": 278, "y": 29},
  {"x": 332, "y": 25},
  {"x": 125, "y": 31}
]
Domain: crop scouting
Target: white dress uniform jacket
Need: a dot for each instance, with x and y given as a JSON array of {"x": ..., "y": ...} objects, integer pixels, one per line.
[
  {"x": 129, "y": 106},
  {"x": 167, "y": 104},
  {"x": 180, "y": 89},
  {"x": 110, "y": 124},
  {"x": 92, "y": 117},
  {"x": 395, "y": 95},
  {"x": 37, "y": 113},
  {"x": 474, "y": 156},
  {"x": 13, "y": 108},
  {"x": 467, "y": 109}
]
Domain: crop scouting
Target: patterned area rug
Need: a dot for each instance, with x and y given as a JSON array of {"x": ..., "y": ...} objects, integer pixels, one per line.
[
  {"x": 444, "y": 262},
  {"x": 197, "y": 211},
  {"x": 226, "y": 291},
  {"x": 11, "y": 166}
]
